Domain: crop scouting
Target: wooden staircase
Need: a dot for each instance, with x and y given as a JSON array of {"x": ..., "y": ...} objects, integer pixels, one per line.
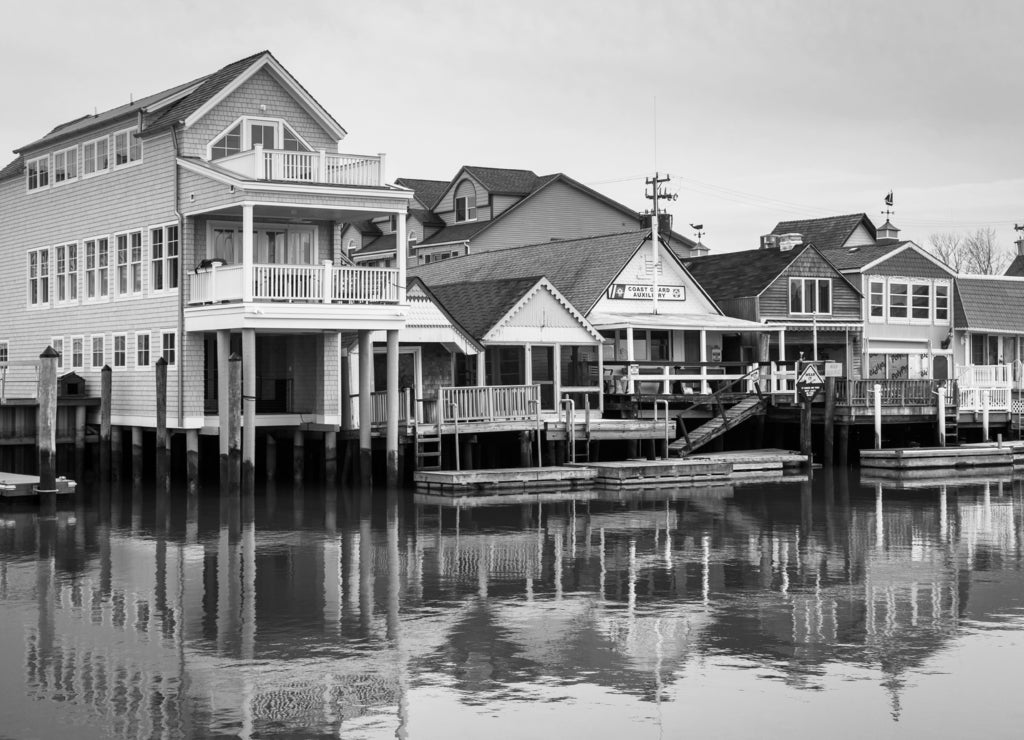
[
  {"x": 427, "y": 449},
  {"x": 725, "y": 420},
  {"x": 951, "y": 426}
]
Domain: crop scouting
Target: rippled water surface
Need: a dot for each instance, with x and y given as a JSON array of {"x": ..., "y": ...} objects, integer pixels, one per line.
[{"x": 842, "y": 608}]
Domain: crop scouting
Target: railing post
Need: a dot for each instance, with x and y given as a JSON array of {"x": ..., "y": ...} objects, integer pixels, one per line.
[
  {"x": 455, "y": 417},
  {"x": 878, "y": 416},
  {"x": 326, "y": 275},
  {"x": 984, "y": 415},
  {"x": 321, "y": 173},
  {"x": 260, "y": 163},
  {"x": 213, "y": 283}
]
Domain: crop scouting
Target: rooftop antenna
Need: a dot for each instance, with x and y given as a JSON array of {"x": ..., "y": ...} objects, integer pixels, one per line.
[{"x": 888, "y": 206}]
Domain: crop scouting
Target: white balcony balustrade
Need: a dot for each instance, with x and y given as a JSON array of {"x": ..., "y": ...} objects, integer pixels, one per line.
[
  {"x": 296, "y": 283},
  {"x": 320, "y": 167}
]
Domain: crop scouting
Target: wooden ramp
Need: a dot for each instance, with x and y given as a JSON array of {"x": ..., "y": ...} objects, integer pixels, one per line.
[{"x": 719, "y": 425}]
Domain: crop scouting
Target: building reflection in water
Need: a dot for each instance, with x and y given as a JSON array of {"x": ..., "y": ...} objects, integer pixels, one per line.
[{"x": 160, "y": 614}]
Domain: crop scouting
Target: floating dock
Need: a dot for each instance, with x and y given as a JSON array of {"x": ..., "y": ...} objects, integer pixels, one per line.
[
  {"x": 966, "y": 456},
  {"x": 700, "y": 470},
  {"x": 15, "y": 485}
]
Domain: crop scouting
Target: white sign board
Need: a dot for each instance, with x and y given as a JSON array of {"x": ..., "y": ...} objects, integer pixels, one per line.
[
  {"x": 635, "y": 292},
  {"x": 833, "y": 369}
]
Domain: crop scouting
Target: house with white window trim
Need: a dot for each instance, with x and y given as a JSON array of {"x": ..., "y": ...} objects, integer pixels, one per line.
[{"x": 199, "y": 221}]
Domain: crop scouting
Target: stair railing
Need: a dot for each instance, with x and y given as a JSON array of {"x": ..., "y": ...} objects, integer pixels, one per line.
[{"x": 454, "y": 408}]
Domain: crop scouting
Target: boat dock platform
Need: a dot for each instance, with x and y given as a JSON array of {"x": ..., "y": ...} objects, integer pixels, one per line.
[
  {"x": 932, "y": 458},
  {"x": 16, "y": 485},
  {"x": 748, "y": 466}
]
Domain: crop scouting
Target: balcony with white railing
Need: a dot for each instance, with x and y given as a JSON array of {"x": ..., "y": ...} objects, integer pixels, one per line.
[
  {"x": 316, "y": 168},
  {"x": 985, "y": 376},
  {"x": 324, "y": 283}
]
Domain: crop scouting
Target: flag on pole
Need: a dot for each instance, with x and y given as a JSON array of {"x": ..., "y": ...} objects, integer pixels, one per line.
[{"x": 888, "y": 199}]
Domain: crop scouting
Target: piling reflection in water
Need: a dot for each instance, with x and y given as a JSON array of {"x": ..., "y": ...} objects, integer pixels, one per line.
[{"x": 161, "y": 613}]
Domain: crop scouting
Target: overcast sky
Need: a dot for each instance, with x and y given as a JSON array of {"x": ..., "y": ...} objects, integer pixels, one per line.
[{"x": 760, "y": 111}]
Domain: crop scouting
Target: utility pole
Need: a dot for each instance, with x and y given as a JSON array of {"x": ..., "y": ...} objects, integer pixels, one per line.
[{"x": 654, "y": 195}]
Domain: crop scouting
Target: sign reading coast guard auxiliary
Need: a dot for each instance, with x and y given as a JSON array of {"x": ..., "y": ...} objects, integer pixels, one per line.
[{"x": 633, "y": 292}]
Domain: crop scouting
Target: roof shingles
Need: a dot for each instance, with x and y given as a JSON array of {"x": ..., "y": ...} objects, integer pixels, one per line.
[
  {"x": 989, "y": 303},
  {"x": 826, "y": 233}
]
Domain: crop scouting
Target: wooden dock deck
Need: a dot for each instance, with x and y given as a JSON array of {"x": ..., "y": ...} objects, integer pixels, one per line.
[
  {"x": 16, "y": 486},
  {"x": 966, "y": 456}
]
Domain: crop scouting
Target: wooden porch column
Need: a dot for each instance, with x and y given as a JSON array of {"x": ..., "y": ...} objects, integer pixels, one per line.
[
  {"x": 481, "y": 369},
  {"x": 365, "y": 410},
  {"x": 391, "y": 442},
  {"x": 247, "y": 252},
  {"x": 556, "y": 371},
  {"x": 703, "y": 359},
  {"x": 402, "y": 254},
  {"x": 248, "y": 407},
  {"x": 782, "y": 345},
  {"x": 346, "y": 388}
]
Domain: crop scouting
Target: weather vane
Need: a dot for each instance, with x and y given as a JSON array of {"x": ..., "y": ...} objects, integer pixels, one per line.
[
  {"x": 698, "y": 229},
  {"x": 888, "y": 206}
]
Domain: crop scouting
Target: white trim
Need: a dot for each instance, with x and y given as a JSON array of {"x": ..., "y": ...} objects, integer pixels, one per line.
[
  {"x": 129, "y": 293},
  {"x": 28, "y": 175},
  {"x": 176, "y": 349},
  {"x": 163, "y": 260},
  {"x": 53, "y": 171},
  {"x": 29, "y": 279},
  {"x": 99, "y": 298},
  {"x": 105, "y": 138},
  {"x": 312, "y": 107},
  {"x": 132, "y": 132},
  {"x": 804, "y": 280},
  {"x": 113, "y": 350},
  {"x": 81, "y": 364},
  {"x": 245, "y": 135},
  {"x": 57, "y": 343},
  {"x": 92, "y": 351},
  {"x": 71, "y": 278},
  {"x": 911, "y": 246},
  {"x": 545, "y": 284},
  {"x": 149, "y": 350},
  {"x": 287, "y": 228},
  {"x": 5, "y": 351}
]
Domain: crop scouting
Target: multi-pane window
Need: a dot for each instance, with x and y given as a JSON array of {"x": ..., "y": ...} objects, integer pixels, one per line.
[
  {"x": 120, "y": 350},
  {"x": 942, "y": 304},
  {"x": 65, "y": 165},
  {"x": 95, "y": 156},
  {"x": 142, "y": 349},
  {"x": 877, "y": 299},
  {"x": 164, "y": 255},
  {"x": 38, "y": 172},
  {"x": 920, "y": 302},
  {"x": 98, "y": 351},
  {"x": 58, "y": 346},
  {"x": 228, "y": 144},
  {"x": 810, "y": 295},
  {"x": 39, "y": 277},
  {"x": 66, "y": 270},
  {"x": 129, "y": 263},
  {"x": 465, "y": 202},
  {"x": 898, "y": 299},
  {"x": 4, "y": 352},
  {"x": 169, "y": 347},
  {"x": 97, "y": 268},
  {"x": 77, "y": 352},
  {"x": 127, "y": 147}
]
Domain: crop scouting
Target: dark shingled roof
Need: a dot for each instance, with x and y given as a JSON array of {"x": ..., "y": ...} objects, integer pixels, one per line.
[
  {"x": 1016, "y": 268},
  {"x": 991, "y": 303},
  {"x": 428, "y": 192},
  {"x": 504, "y": 181},
  {"x": 740, "y": 274},
  {"x": 456, "y": 233},
  {"x": 478, "y": 306},
  {"x": 384, "y": 243},
  {"x": 12, "y": 169},
  {"x": 826, "y": 233},
  {"x": 427, "y": 218},
  {"x": 580, "y": 269},
  {"x": 854, "y": 258}
]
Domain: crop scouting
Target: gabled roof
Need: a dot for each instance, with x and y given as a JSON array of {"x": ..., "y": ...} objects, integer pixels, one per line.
[
  {"x": 826, "y": 233},
  {"x": 855, "y": 258},
  {"x": 989, "y": 303},
  {"x": 414, "y": 282},
  {"x": 502, "y": 181},
  {"x": 1016, "y": 268},
  {"x": 457, "y": 232},
  {"x": 427, "y": 218},
  {"x": 428, "y": 192},
  {"x": 580, "y": 269},
  {"x": 479, "y": 306},
  {"x": 385, "y": 243}
]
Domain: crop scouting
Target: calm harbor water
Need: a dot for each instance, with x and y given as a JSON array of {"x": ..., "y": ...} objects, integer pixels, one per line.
[{"x": 779, "y": 610}]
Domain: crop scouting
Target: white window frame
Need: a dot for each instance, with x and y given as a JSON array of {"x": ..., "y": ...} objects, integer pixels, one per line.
[
  {"x": 929, "y": 309},
  {"x": 66, "y": 278},
  {"x": 935, "y": 303},
  {"x": 174, "y": 348},
  {"x": 133, "y": 266},
  {"x": 245, "y": 123},
  {"x": 58, "y": 346},
  {"x": 880, "y": 283},
  {"x": 889, "y": 304},
  {"x": 805, "y": 281},
  {"x": 5, "y": 351},
  {"x": 168, "y": 265},
  {"x": 236, "y": 227},
  {"x": 130, "y": 137},
  {"x": 93, "y": 160},
  {"x": 92, "y": 351},
  {"x": 39, "y": 279},
  {"x": 78, "y": 362},
  {"x": 123, "y": 365},
  {"x": 69, "y": 155},
  {"x": 139, "y": 364},
  {"x": 38, "y": 173},
  {"x": 96, "y": 278}
]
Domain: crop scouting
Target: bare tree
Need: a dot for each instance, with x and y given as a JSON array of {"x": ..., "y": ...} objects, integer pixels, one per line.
[{"x": 979, "y": 252}]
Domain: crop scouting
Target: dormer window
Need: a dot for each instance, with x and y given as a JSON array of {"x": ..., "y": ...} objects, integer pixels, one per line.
[
  {"x": 465, "y": 202},
  {"x": 247, "y": 133},
  {"x": 65, "y": 165},
  {"x": 38, "y": 173},
  {"x": 412, "y": 239}
]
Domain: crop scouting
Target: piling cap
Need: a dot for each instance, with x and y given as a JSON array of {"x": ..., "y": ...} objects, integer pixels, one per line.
[
  {"x": 161, "y": 362},
  {"x": 235, "y": 357},
  {"x": 49, "y": 353}
]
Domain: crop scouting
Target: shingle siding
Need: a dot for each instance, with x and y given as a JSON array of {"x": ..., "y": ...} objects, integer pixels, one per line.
[
  {"x": 909, "y": 263},
  {"x": 774, "y": 301}
]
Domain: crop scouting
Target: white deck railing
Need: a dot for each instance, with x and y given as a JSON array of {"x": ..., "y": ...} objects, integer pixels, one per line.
[
  {"x": 985, "y": 376},
  {"x": 489, "y": 403},
  {"x": 976, "y": 399},
  {"x": 379, "y": 406},
  {"x": 320, "y": 167},
  {"x": 18, "y": 381},
  {"x": 297, "y": 283}
]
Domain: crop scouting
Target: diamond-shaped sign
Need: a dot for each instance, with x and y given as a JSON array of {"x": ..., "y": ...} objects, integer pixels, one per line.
[{"x": 810, "y": 376}]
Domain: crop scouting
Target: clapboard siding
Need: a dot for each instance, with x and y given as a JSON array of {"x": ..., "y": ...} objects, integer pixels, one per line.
[
  {"x": 740, "y": 308},
  {"x": 445, "y": 207},
  {"x": 555, "y": 212},
  {"x": 261, "y": 89},
  {"x": 501, "y": 203},
  {"x": 774, "y": 300}
]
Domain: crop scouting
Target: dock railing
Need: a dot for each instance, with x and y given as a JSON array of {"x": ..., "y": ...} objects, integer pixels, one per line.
[
  {"x": 681, "y": 378},
  {"x": 488, "y": 403},
  {"x": 895, "y": 393},
  {"x": 18, "y": 380},
  {"x": 379, "y": 406}
]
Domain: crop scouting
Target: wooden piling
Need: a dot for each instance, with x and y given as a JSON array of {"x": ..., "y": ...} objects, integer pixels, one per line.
[
  {"x": 137, "y": 456},
  {"x": 106, "y": 387},
  {"x": 842, "y": 459},
  {"x": 249, "y": 407},
  {"x": 878, "y": 415},
  {"x": 525, "y": 449},
  {"x": 299, "y": 457},
  {"x": 192, "y": 460},
  {"x": 234, "y": 459},
  {"x": 116, "y": 453},
  {"x": 331, "y": 458},
  {"x": 830, "y": 420},
  {"x": 806, "y": 446},
  {"x": 46, "y": 432},
  {"x": 392, "y": 397},
  {"x": 365, "y": 409},
  {"x": 162, "y": 468},
  {"x": 271, "y": 456},
  {"x": 79, "y": 436}
]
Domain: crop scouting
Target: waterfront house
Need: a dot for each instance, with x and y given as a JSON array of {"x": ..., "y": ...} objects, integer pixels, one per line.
[
  {"x": 489, "y": 208},
  {"x": 191, "y": 223}
]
